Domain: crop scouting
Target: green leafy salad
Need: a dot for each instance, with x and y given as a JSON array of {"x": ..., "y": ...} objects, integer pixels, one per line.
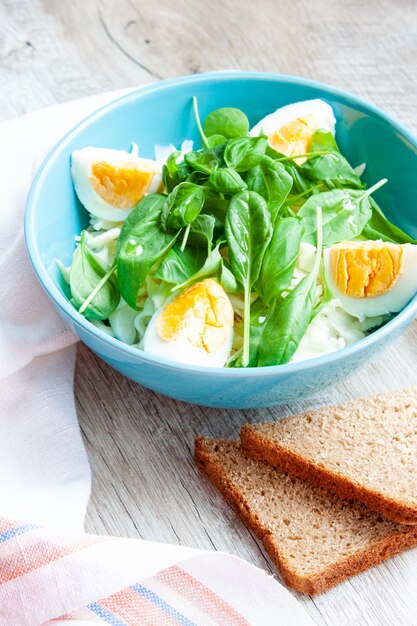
[{"x": 261, "y": 247}]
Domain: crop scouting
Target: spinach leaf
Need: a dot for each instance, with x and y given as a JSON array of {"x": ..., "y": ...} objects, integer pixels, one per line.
[
  {"x": 300, "y": 183},
  {"x": 215, "y": 205},
  {"x": 271, "y": 180},
  {"x": 243, "y": 153},
  {"x": 144, "y": 245},
  {"x": 219, "y": 149},
  {"x": 332, "y": 168},
  {"x": 227, "y": 181},
  {"x": 215, "y": 140},
  {"x": 202, "y": 231},
  {"x": 93, "y": 284},
  {"x": 226, "y": 121},
  {"x": 323, "y": 140},
  {"x": 248, "y": 229},
  {"x": 258, "y": 317},
  {"x": 280, "y": 258},
  {"x": 345, "y": 214},
  {"x": 174, "y": 173},
  {"x": 202, "y": 161},
  {"x": 291, "y": 315},
  {"x": 204, "y": 139},
  {"x": 379, "y": 227},
  {"x": 182, "y": 206},
  {"x": 287, "y": 324},
  {"x": 211, "y": 265},
  {"x": 273, "y": 154},
  {"x": 177, "y": 267},
  {"x": 148, "y": 205},
  {"x": 198, "y": 178},
  {"x": 227, "y": 279},
  {"x": 327, "y": 295}
]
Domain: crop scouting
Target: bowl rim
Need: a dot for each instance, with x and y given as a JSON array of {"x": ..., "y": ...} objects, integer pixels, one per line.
[{"x": 396, "y": 323}]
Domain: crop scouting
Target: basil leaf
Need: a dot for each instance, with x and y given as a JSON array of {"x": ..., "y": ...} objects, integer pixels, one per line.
[
  {"x": 87, "y": 271},
  {"x": 177, "y": 267},
  {"x": 144, "y": 245},
  {"x": 201, "y": 161},
  {"x": 148, "y": 205},
  {"x": 280, "y": 258},
  {"x": 227, "y": 121},
  {"x": 182, "y": 206},
  {"x": 379, "y": 227},
  {"x": 248, "y": 229},
  {"x": 345, "y": 213},
  {"x": 291, "y": 315},
  {"x": 227, "y": 181},
  {"x": 271, "y": 180},
  {"x": 244, "y": 153}
]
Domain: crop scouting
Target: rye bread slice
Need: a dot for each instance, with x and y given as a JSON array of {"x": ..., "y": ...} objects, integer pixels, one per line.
[
  {"x": 315, "y": 539},
  {"x": 364, "y": 450}
]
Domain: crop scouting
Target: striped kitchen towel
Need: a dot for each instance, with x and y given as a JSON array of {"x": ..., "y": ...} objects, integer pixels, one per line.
[
  {"x": 50, "y": 572},
  {"x": 48, "y": 577}
]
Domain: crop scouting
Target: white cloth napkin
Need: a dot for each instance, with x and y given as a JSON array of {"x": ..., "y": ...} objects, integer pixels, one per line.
[{"x": 54, "y": 571}]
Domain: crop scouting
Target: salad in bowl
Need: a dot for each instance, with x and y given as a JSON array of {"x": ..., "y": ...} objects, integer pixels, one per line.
[{"x": 260, "y": 247}]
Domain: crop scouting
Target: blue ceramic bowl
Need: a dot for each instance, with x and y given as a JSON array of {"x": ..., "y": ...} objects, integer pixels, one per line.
[{"x": 162, "y": 113}]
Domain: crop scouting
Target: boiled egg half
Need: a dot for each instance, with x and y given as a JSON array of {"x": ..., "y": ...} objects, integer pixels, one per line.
[
  {"x": 371, "y": 278},
  {"x": 109, "y": 183},
  {"x": 195, "y": 327},
  {"x": 291, "y": 128}
]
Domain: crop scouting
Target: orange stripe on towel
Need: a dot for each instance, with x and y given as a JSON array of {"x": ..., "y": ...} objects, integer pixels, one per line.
[
  {"x": 200, "y": 596},
  {"x": 31, "y": 555}
]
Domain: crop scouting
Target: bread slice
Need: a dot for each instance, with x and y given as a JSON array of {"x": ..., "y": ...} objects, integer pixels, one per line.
[
  {"x": 364, "y": 450},
  {"x": 315, "y": 539}
]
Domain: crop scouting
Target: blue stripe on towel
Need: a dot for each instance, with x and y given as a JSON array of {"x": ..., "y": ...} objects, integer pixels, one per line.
[
  {"x": 107, "y": 616},
  {"x": 14, "y": 532},
  {"x": 161, "y": 604}
]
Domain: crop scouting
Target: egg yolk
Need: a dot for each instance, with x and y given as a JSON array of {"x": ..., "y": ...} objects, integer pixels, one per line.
[
  {"x": 202, "y": 314},
  {"x": 366, "y": 270},
  {"x": 121, "y": 187},
  {"x": 294, "y": 137}
]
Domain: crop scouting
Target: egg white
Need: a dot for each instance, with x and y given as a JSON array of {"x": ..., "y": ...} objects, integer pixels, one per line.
[
  {"x": 81, "y": 164},
  {"x": 181, "y": 350},
  {"x": 390, "y": 302},
  {"x": 322, "y": 111}
]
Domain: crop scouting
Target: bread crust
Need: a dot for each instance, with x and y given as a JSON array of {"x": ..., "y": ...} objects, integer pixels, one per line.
[
  {"x": 332, "y": 575},
  {"x": 262, "y": 449}
]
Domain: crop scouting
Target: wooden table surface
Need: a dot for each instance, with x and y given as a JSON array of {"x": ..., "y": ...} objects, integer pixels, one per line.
[{"x": 141, "y": 444}]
